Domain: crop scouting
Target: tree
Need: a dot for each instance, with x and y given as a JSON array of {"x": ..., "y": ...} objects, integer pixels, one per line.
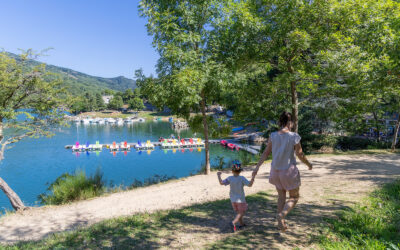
[
  {"x": 128, "y": 94},
  {"x": 281, "y": 46},
  {"x": 369, "y": 69},
  {"x": 29, "y": 107},
  {"x": 136, "y": 104},
  {"x": 188, "y": 76},
  {"x": 116, "y": 102},
  {"x": 100, "y": 102}
]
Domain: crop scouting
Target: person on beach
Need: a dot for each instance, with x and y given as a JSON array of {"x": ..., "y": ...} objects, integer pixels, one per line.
[
  {"x": 284, "y": 174},
  {"x": 236, "y": 183}
]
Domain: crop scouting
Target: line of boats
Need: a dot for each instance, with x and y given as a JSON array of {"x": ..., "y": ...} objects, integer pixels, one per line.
[
  {"x": 102, "y": 121},
  {"x": 148, "y": 145},
  {"x": 229, "y": 145}
]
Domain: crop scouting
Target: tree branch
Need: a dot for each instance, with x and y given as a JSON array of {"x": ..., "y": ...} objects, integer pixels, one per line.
[{"x": 12, "y": 140}]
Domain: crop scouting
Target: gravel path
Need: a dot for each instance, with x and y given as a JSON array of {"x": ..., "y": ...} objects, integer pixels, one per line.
[{"x": 334, "y": 179}]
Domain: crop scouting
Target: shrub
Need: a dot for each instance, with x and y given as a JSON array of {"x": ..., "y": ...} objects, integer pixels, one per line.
[
  {"x": 220, "y": 163},
  {"x": 78, "y": 186}
]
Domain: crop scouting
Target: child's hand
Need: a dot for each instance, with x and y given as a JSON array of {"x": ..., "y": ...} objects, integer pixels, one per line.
[{"x": 219, "y": 173}]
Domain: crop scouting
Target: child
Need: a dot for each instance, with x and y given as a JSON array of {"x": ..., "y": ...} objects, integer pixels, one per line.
[{"x": 236, "y": 194}]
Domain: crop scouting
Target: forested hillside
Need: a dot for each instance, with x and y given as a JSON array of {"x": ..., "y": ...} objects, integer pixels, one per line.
[{"x": 78, "y": 82}]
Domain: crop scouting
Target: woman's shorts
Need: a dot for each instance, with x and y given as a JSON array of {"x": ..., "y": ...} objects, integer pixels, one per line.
[
  {"x": 239, "y": 207},
  {"x": 287, "y": 179}
]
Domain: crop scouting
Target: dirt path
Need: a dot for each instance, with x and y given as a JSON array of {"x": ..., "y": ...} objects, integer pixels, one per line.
[{"x": 336, "y": 181}]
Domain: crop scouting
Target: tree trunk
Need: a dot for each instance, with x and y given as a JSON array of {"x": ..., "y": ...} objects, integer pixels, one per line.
[
  {"x": 295, "y": 107},
  {"x": 16, "y": 202},
  {"x": 205, "y": 124},
  {"x": 396, "y": 132},
  {"x": 378, "y": 135}
]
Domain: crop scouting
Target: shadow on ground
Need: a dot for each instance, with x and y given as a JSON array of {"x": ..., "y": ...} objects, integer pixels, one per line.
[
  {"x": 207, "y": 225},
  {"x": 194, "y": 226}
]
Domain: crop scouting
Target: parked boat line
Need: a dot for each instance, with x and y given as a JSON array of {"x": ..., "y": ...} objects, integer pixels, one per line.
[
  {"x": 166, "y": 144},
  {"x": 102, "y": 121}
]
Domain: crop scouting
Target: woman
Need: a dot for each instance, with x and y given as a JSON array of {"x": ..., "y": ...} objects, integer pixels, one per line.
[{"x": 284, "y": 174}]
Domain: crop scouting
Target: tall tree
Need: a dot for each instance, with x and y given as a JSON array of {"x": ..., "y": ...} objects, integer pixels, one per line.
[
  {"x": 188, "y": 76},
  {"x": 281, "y": 45},
  {"x": 136, "y": 104},
  {"x": 29, "y": 107},
  {"x": 116, "y": 102}
]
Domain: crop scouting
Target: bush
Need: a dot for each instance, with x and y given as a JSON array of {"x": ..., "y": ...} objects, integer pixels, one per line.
[
  {"x": 220, "y": 163},
  {"x": 313, "y": 142},
  {"x": 78, "y": 186},
  {"x": 373, "y": 225}
]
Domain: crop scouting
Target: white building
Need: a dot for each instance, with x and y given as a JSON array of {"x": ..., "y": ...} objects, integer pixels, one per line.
[{"x": 107, "y": 98}]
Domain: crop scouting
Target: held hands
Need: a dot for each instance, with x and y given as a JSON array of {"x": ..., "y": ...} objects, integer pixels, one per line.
[{"x": 254, "y": 173}]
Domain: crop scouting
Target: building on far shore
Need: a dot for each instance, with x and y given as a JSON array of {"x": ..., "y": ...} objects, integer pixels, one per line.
[{"x": 107, "y": 98}]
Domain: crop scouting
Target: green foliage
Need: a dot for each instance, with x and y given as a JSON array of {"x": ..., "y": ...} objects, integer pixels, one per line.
[
  {"x": 68, "y": 188},
  {"x": 217, "y": 128},
  {"x": 220, "y": 163},
  {"x": 116, "y": 102},
  {"x": 136, "y": 104},
  {"x": 78, "y": 83},
  {"x": 30, "y": 105},
  {"x": 375, "y": 224}
]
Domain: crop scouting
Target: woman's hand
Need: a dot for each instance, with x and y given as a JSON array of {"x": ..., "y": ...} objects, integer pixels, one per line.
[{"x": 310, "y": 166}]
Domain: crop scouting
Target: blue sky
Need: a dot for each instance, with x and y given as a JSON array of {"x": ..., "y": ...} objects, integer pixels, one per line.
[{"x": 98, "y": 37}]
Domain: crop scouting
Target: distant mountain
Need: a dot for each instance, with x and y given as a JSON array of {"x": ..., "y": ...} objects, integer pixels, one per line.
[{"x": 78, "y": 82}]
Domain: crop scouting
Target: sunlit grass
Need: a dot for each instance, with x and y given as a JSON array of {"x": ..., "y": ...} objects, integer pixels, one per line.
[{"x": 372, "y": 224}]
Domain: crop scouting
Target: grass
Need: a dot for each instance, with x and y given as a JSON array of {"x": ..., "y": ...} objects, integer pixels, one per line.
[
  {"x": 146, "y": 230},
  {"x": 373, "y": 224},
  {"x": 75, "y": 187}
]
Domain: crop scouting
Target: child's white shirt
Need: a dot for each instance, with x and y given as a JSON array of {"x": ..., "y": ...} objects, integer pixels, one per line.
[{"x": 236, "y": 184}]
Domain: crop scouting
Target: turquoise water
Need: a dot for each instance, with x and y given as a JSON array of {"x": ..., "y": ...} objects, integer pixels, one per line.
[{"x": 31, "y": 164}]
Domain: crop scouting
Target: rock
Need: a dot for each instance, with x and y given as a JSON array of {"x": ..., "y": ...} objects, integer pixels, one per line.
[{"x": 256, "y": 137}]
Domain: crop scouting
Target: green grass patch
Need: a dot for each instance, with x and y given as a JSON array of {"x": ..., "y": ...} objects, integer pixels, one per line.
[
  {"x": 73, "y": 187},
  {"x": 146, "y": 230},
  {"x": 373, "y": 224}
]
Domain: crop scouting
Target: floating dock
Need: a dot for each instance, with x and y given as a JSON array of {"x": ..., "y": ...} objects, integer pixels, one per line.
[{"x": 248, "y": 148}]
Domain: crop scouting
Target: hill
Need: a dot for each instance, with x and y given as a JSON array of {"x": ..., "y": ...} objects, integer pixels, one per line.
[{"x": 78, "y": 82}]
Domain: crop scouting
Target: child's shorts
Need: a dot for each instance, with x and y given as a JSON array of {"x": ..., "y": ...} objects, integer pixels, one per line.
[
  {"x": 287, "y": 179},
  {"x": 239, "y": 207}
]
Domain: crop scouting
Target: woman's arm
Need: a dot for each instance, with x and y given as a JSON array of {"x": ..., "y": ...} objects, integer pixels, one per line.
[
  {"x": 302, "y": 157},
  {"x": 263, "y": 157},
  {"x": 251, "y": 181}
]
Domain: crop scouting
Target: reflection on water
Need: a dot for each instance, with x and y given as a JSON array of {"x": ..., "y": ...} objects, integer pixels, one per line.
[{"x": 30, "y": 165}]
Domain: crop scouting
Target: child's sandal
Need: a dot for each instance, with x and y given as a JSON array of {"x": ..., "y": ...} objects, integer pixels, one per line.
[{"x": 233, "y": 227}]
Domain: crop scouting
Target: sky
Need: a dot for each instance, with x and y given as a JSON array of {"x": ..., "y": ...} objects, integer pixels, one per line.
[{"x": 98, "y": 37}]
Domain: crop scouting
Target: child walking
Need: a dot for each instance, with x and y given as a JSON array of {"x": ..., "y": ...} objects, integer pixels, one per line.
[{"x": 236, "y": 183}]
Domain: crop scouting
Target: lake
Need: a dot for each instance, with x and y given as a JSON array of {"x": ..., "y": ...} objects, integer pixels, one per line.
[{"x": 30, "y": 165}]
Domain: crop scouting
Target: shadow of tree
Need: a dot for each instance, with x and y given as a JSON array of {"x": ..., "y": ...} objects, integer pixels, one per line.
[{"x": 193, "y": 226}]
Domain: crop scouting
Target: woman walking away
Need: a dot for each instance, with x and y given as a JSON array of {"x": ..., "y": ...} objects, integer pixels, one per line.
[{"x": 284, "y": 174}]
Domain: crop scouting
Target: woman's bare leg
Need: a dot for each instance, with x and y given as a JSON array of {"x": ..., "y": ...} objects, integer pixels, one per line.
[
  {"x": 281, "y": 205},
  {"x": 281, "y": 199},
  {"x": 291, "y": 202}
]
